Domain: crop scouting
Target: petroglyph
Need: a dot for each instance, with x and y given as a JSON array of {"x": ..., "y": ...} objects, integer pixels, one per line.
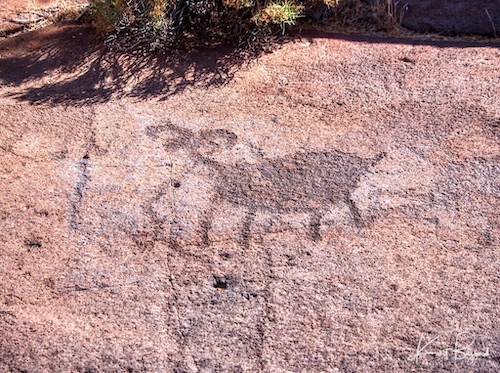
[
  {"x": 310, "y": 182},
  {"x": 83, "y": 179}
]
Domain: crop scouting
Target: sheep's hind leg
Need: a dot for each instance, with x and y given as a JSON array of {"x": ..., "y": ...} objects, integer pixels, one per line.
[
  {"x": 206, "y": 224},
  {"x": 356, "y": 215}
]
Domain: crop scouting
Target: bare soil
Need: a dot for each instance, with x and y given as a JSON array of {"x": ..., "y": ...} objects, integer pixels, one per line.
[
  {"x": 328, "y": 207},
  {"x": 20, "y": 15}
]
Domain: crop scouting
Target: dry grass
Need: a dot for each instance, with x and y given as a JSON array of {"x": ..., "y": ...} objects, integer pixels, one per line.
[
  {"x": 70, "y": 10},
  {"x": 355, "y": 16}
]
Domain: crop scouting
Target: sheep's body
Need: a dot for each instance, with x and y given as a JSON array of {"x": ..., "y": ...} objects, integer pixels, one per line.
[{"x": 309, "y": 182}]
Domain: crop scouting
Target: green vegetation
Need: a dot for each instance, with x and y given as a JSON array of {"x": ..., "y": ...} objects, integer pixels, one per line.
[
  {"x": 185, "y": 24},
  {"x": 283, "y": 13}
]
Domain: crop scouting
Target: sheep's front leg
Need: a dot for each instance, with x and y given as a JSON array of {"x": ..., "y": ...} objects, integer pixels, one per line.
[{"x": 315, "y": 226}]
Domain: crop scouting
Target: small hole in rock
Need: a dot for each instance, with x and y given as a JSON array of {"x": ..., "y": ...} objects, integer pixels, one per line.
[
  {"x": 249, "y": 296},
  {"x": 225, "y": 256},
  {"x": 408, "y": 60},
  {"x": 220, "y": 283},
  {"x": 33, "y": 244},
  {"x": 176, "y": 184}
]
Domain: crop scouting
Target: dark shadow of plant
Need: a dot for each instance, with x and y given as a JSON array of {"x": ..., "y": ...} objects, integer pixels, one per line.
[
  {"x": 71, "y": 66},
  {"x": 68, "y": 64}
]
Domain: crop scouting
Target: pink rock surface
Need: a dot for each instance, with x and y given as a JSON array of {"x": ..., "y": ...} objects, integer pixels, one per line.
[{"x": 326, "y": 209}]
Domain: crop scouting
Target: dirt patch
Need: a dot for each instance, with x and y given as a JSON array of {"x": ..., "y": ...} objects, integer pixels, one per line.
[
  {"x": 22, "y": 15},
  {"x": 331, "y": 206}
]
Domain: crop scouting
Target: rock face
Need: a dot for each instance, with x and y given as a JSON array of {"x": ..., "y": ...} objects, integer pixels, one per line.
[
  {"x": 330, "y": 208},
  {"x": 451, "y": 16}
]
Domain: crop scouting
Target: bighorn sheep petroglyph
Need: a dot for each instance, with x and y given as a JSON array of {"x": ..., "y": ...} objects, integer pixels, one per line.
[{"x": 309, "y": 182}]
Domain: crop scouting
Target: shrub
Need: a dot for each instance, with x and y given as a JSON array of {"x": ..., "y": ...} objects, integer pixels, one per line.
[
  {"x": 283, "y": 13},
  {"x": 179, "y": 24}
]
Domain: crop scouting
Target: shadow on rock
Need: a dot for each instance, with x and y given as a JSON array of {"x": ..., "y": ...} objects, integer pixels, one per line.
[{"x": 69, "y": 65}]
